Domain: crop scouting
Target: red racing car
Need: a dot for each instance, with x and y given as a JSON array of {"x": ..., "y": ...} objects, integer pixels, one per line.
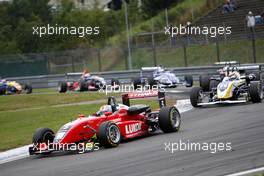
[{"x": 110, "y": 125}]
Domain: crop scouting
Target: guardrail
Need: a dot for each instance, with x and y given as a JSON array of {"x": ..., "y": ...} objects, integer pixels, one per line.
[{"x": 51, "y": 81}]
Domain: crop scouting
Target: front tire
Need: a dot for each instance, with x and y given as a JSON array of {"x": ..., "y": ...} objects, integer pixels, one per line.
[
  {"x": 109, "y": 134},
  {"x": 43, "y": 135},
  {"x": 189, "y": 80},
  {"x": 255, "y": 92},
  {"x": 213, "y": 84},
  {"x": 195, "y": 96},
  {"x": 169, "y": 119},
  {"x": 62, "y": 87}
]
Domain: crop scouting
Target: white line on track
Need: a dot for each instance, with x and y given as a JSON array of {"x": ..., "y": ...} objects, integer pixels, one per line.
[{"x": 248, "y": 172}]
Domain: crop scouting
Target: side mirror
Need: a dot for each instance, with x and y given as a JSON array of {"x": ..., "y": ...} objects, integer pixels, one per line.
[{"x": 108, "y": 113}]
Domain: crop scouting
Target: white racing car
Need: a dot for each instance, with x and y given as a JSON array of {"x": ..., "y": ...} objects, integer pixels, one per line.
[
  {"x": 161, "y": 77},
  {"x": 234, "y": 88}
]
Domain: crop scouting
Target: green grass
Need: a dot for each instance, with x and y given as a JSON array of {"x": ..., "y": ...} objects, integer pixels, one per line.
[
  {"x": 198, "y": 55},
  {"x": 16, "y": 102},
  {"x": 17, "y": 127}
]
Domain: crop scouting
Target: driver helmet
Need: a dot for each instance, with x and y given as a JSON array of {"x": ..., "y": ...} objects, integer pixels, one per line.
[
  {"x": 106, "y": 108},
  {"x": 234, "y": 69}
]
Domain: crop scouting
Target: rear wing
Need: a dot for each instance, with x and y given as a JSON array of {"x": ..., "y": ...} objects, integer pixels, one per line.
[
  {"x": 150, "y": 68},
  {"x": 227, "y": 63},
  {"x": 137, "y": 95}
]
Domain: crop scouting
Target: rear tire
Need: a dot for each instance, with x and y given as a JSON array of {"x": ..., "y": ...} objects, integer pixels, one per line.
[
  {"x": 62, "y": 87},
  {"x": 109, "y": 134},
  {"x": 136, "y": 82},
  {"x": 255, "y": 92},
  {"x": 114, "y": 82},
  {"x": 83, "y": 86},
  {"x": 195, "y": 95},
  {"x": 204, "y": 82},
  {"x": 189, "y": 80},
  {"x": 169, "y": 119},
  {"x": 28, "y": 89}
]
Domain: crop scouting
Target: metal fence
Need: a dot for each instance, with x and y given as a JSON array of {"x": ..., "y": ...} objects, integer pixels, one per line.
[{"x": 150, "y": 49}]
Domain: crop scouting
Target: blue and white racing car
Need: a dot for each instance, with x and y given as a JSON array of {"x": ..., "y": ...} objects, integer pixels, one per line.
[{"x": 161, "y": 77}]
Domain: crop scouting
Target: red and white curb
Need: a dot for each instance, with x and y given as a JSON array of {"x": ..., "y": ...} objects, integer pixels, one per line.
[
  {"x": 22, "y": 152},
  {"x": 14, "y": 154}
]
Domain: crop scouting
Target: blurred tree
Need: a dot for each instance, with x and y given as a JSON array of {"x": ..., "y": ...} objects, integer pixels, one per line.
[{"x": 153, "y": 7}]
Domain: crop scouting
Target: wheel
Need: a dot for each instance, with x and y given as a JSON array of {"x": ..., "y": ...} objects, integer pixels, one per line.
[
  {"x": 43, "y": 135},
  {"x": 195, "y": 96},
  {"x": 109, "y": 134},
  {"x": 189, "y": 80},
  {"x": 151, "y": 81},
  {"x": 213, "y": 84},
  {"x": 28, "y": 89},
  {"x": 169, "y": 119},
  {"x": 257, "y": 76},
  {"x": 136, "y": 82},
  {"x": 62, "y": 87},
  {"x": 83, "y": 86},
  {"x": 114, "y": 82},
  {"x": 204, "y": 82},
  {"x": 2, "y": 91},
  {"x": 255, "y": 92}
]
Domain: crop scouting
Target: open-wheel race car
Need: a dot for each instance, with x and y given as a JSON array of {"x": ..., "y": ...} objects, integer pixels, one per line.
[
  {"x": 110, "y": 125},
  {"x": 13, "y": 87},
  {"x": 239, "y": 85},
  {"x": 87, "y": 83},
  {"x": 161, "y": 77}
]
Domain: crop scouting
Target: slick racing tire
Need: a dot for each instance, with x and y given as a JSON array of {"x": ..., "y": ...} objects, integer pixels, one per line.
[
  {"x": 2, "y": 91},
  {"x": 151, "y": 82},
  {"x": 43, "y": 135},
  {"x": 109, "y": 134},
  {"x": 257, "y": 76},
  {"x": 136, "y": 82},
  {"x": 62, "y": 88},
  {"x": 115, "y": 81},
  {"x": 169, "y": 119},
  {"x": 255, "y": 92},
  {"x": 83, "y": 86},
  {"x": 28, "y": 88},
  {"x": 204, "y": 82},
  {"x": 195, "y": 96},
  {"x": 213, "y": 84},
  {"x": 189, "y": 80}
]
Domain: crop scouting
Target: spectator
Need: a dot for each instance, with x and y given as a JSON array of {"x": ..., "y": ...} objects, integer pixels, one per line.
[
  {"x": 262, "y": 15},
  {"x": 234, "y": 4},
  {"x": 251, "y": 22},
  {"x": 227, "y": 7}
]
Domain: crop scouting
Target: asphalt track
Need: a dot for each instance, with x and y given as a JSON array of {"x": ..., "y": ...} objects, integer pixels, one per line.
[{"x": 242, "y": 125}]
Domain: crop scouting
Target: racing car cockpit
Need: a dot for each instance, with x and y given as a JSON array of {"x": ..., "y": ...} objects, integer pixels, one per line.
[{"x": 110, "y": 108}]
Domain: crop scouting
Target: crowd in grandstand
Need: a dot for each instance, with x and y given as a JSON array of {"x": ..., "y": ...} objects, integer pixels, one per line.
[{"x": 230, "y": 6}]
